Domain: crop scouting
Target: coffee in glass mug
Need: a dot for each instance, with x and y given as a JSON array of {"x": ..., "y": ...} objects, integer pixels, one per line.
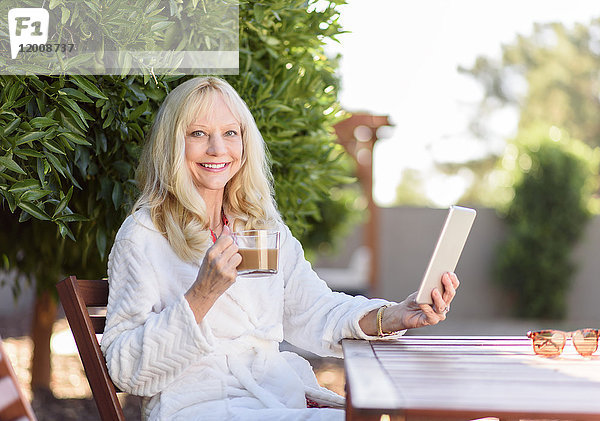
[{"x": 259, "y": 250}]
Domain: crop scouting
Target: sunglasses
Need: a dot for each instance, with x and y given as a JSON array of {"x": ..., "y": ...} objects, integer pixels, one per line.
[{"x": 551, "y": 342}]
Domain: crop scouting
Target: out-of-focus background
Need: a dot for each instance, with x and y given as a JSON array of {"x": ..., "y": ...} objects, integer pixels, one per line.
[{"x": 492, "y": 105}]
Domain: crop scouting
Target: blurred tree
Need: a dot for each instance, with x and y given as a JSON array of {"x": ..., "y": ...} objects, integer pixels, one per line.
[
  {"x": 347, "y": 204},
  {"x": 411, "y": 190},
  {"x": 544, "y": 181},
  {"x": 69, "y": 145},
  {"x": 552, "y": 181},
  {"x": 551, "y": 76},
  {"x": 482, "y": 178}
]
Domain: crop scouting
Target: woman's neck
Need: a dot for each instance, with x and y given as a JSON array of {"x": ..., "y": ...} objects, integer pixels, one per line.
[{"x": 214, "y": 209}]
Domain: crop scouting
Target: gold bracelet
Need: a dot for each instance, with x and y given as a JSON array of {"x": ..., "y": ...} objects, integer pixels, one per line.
[{"x": 380, "y": 320}]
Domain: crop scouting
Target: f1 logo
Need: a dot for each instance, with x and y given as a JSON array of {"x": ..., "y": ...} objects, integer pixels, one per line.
[{"x": 27, "y": 26}]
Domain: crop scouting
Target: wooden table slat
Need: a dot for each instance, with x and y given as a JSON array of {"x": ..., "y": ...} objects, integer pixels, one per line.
[{"x": 367, "y": 374}]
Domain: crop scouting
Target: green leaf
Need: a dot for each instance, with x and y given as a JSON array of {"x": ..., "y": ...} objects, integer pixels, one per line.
[
  {"x": 72, "y": 217},
  {"x": 75, "y": 62},
  {"x": 125, "y": 59},
  {"x": 139, "y": 110},
  {"x": 137, "y": 131},
  {"x": 70, "y": 176},
  {"x": 65, "y": 231},
  {"x": 173, "y": 9},
  {"x": 88, "y": 86},
  {"x": 35, "y": 195},
  {"x": 123, "y": 167},
  {"x": 40, "y": 169},
  {"x": 63, "y": 203},
  {"x": 75, "y": 93},
  {"x": 52, "y": 148},
  {"x": 14, "y": 92},
  {"x": 153, "y": 5},
  {"x": 22, "y": 101},
  {"x": 109, "y": 119},
  {"x": 101, "y": 141},
  {"x": 24, "y": 185},
  {"x": 72, "y": 121},
  {"x": 41, "y": 104},
  {"x": 24, "y": 217},
  {"x": 10, "y": 127},
  {"x": 55, "y": 163},
  {"x": 29, "y": 137},
  {"x": 259, "y": 13},
  {"x": 28, "y": 152},
  {"x": 105, "y": 108},
  {"x": 62, "y": 143},
  {"x": 82, "y": 160},
  {"x": 75, "y": 107},
  {"x": 10, "y": 199},
  {"x": 75, "y": 138},
  {"x": 41, "y": 122},
  {"x": 64, "y": 18},
  {"x": 34, "y": 210},
  {"x": 159, "y": 26},
  {"x": 117, "y": 195},
  {"x": 11, "y": 165},
  {"x": 93, "y": 6},
  {"x": 101, "y": 241}
]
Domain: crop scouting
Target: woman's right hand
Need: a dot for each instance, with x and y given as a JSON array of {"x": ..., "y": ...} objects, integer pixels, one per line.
[{"x": 216, "y": 274}]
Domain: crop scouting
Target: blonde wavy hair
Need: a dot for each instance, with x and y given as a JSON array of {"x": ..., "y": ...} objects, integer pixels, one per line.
[{"x": 167, "y": 187}]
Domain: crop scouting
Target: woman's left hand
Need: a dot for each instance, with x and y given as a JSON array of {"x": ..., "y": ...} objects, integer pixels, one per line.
[{"x": 408, "y": 314}]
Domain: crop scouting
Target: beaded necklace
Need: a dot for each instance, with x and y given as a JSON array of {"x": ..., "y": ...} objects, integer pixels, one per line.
[{"x": 225, "y": 222}]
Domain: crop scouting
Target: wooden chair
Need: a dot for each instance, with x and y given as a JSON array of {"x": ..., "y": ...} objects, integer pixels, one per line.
[
  {"x": 13, "y": 404},
  {"x": 76, "y": 296}
]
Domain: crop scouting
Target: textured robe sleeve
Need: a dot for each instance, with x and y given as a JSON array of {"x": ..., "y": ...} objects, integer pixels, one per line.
[
  {"x": 315, "y": 318},
  {"x": 147, "y": 344}
]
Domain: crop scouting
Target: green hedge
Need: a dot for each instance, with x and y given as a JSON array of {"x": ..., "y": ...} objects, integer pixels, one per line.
[
  {"x": 553, "y": 182},
  {"x": 69, "y": 144}
]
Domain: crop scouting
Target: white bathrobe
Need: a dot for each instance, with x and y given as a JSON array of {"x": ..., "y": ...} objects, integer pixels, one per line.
[{"x": 228, "y": 366}]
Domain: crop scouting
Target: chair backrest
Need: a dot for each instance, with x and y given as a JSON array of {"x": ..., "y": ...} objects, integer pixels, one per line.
[
  {"x": 76, "y": 295},
  {"x": 13, "y": 404}
]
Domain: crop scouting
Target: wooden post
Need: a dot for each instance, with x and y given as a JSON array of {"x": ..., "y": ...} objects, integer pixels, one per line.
[{"x": 358, "y": 135}]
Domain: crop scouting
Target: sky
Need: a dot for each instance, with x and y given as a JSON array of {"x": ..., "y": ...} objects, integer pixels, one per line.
[{"x": 400, "y": 59}]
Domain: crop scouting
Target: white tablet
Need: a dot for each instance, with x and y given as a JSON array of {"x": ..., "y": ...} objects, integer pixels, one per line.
[{"x": 447, "y": 251}]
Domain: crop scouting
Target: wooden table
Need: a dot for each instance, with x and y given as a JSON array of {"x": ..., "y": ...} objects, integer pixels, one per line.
[{"x": 444, "y": 377}]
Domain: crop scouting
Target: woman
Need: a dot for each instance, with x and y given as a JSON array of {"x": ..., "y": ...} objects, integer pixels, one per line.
[{"x": 183, "y": 331}]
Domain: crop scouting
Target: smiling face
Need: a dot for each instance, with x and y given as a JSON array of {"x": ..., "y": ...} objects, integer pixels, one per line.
[{"x": 213, "y": 147}]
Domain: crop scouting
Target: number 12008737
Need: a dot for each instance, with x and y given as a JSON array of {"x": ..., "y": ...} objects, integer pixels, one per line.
[{"x": 45, "y": 48}]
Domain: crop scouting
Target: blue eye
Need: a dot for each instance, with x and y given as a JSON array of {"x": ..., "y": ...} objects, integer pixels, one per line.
[
  {"x": 198, "y": 133},
  {"x": 230, "y": 133}
]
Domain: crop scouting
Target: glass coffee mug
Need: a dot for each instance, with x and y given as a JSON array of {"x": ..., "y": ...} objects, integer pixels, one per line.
[{"x": 259, "y": 250}]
